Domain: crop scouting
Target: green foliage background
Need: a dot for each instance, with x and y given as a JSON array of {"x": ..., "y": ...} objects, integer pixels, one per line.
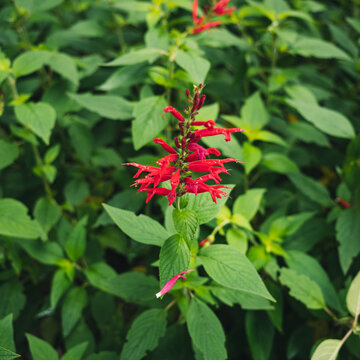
[{"x": 83, "y": 85}]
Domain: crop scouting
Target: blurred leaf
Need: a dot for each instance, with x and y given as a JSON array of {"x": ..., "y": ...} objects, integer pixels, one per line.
[
  {"x": 35, "y": 6},
  {"x": 140, "y": 228},
  {"x": 29, "y": 62},
  {"x": 206, "y": 331},
  {"x": 49, "y": 253},
  {"x": 136, "y": 57},
  {"x": 75, "y": 244},
  {"x": 149, "y": 121},
  {"x": 64, "y": 65},
  {"x": 302, "y": 288},
  {"x": 252, "y": 157},
  {"x": 6, "y": 354},
  {"x": 329, "y": 121},
  {"x": 238, "y": 239},
  {"x": 76, "y": 191},
  {"x": 260, "y": 333},
  {"x": 197, "y": 67},
  {"x": 109, "y": 106},
  {"x": 60, "y": 283},
  {"x": 174, "y": 258},
  {"x": 348, "y": 235},
  {"x": 309, "y": 134},
  {"x": 40, "y": 349},
  {"x": 47, "y": 212},
  {"x": 248, "y": 204},
  {"x": 7, "y": 333},
  {"x": 327, "y": 349},
  {"x": 254, "y": 112},
  {"x": 230, "y": 268},
  {"x": 8, "y": 153},
  {"x": 144, "y": 334},
  {"x": 353, "y": 296},
  {"x": 76, "y": 352},
  {"x": 12, "y": 299},
  {"x": 38, "y": 117}
]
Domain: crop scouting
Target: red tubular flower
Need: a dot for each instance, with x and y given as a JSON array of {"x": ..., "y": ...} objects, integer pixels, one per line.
[
  {"x": 220, "y": 8},
  {"x": 179, "y": 166}
]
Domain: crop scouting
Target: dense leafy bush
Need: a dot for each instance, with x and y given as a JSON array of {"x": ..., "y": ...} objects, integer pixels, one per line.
[{"x": 83, "y": 88}]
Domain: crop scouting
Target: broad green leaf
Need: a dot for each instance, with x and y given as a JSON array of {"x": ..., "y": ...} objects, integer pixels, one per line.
[
  {"x": 144, "y": 334},
  {"x": 29, "y": 62},
  {"x": 60, "y": 283},
  {"x": 71, "y": 310},
  {"x": 348, "y": 235},
  {"x": 252, "y": 156},
  {"x": 238, "y": 239},
  {"x": 279, "y": 163},
  {"x": 47, "y": 212},
  {"x": 300, "y": 93},
  {"x": 196, "y": 66},
  {"x": 230, "y": 268},
  {"x": 311, "y": 188},
  {"x": 49, "y": 253},
  {"x": 186, "y": 222},
  {"x": 327, "y": 350},
  {"x": 34, "y": 6},
  {"x": 231, "y": 148},
  {"x": 149, "y": 120},
  {"x": 14, "y": 220},
  {"x": 353, "y": 296},
  {"x": 244, "y": 299},
  {"x": 249, "y": 203},
  {"x": 12, "y": 299},
  {"x": 76, "y": 191},
  {"x": 6, "y": 354},
  {"x": 329, "y": 121},
  {"x": 8, "y": 153},
  {"x": 76, "y": 352},
  {"x": 82, "y": 141},
  {"x": 38, "y": 117},
  {"x": 221, "y": 38},
  {"x": 7, "y": 333},
  {"x": 254, "y": 112},
  {"x": 136, "y": 57},
  {"x": 266, "y": 136},
  {"x": 40, "y": 349},
  {"x": 309, "y": 266},
  {"x": 174, "y": 258},
  {"x": 308, "y": 133},
  {"x": 76, "y": 242},
  {"x": 64, "y": 65},
  {"x": 109, "y": 106},
  {"x": 140, "y": 228},
  {"x": 260, "y": 334},
  {"x": 302, "y": 288},
  {"x": 208, "y": 112},
  {"x": 206, "y": 331}
]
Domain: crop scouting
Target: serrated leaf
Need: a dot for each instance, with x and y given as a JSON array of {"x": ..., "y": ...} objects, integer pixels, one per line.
[
  {"x": 196, "y": 66},
  {"x": 148, "y": 121},
  {"x": 206, "y": 331},
  {"x": 230, "y": 268},
  {"x": 40, "y": 349},
  {"x": 302, "y": 288},
  {"x": 353, "y": 296},
  {"x": 327, "y": 350},
  {"x": 38, "y": 117},
  {"x": 7, "y": 333},
  {"x": 174, "y": 258},
  {"x": 348, "y": 235},
  {"x": 186, "y": 222},
  {"x": 248, "y": 204},
  {"x": 144, "y": 334},
  {"x": 109, "y": 106},
  {"x": 14, "y": 220},
  {"x": 6, "y": 354},
  {"x": 140, "y": 228},
  {"x": 8, "y": 153}
]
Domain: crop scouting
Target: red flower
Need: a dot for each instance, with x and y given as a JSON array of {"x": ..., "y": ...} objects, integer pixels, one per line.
[{"x": 179, "y": 167}]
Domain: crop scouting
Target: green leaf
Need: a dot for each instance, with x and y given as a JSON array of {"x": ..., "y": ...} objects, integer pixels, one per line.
[
  {"x": 174, "y": 258},
  {"x": 252, "y": 156},
  {"x": 254, "y": 112},
  {"x": 49, "y": 253},
  {"x": 206, "y": 331},
  {"x": 7, "y": 333},
  {"x": 64, "y": 65},
  {"x": 149, "y": 121},
  {"x": 302, "y": 288},
  {"x": 76, "y": 242},
  {"x": 327, "y": 350},
  {"x": 60, "y": 283},
  {"x": 311, "y": 188},
  {"x": 8, "y": 153},
  {"x": 308, "y": 133},
  {"x": 76, "y": 352},
  {"x": 348, "y": 235},
  {"x": 29, "y": 62},
  {"x": 249, "y": 203},
  {"x": 309, "y": 266},
  {"x": 329, "y": 121},
  {"x": 40, "y": 349},
  {"x": 228, "y": 148},
  {"x": 38, "y": 117},
  {"x": 12, "y": 299},
  {"x": 14, "y": 220},
  {"x": 34, "y": 6},
  {"x": 238, "y": 239},
  {"x": 136, "y": 57},
  {"x": 47, "y": 212},
  {"x": 186, "y": 223},
  {"x": 76, "y": 191},
  {"x": 71, "y": 310},
  {"x": 279, "y": 163},
  {"x": 109, "y": 106},
  {"x": 260, "y": 334},
  {"x": 197, "y": 67},
  {"x": 230, "y": 268},
  {"x": 144, "y": 334},
  {"x": 140, "y": 228},
  {"x": 7, "y": 354},
  {"x": 353, "y": 296}
]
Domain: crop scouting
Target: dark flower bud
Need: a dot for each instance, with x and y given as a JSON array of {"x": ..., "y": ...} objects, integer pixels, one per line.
[
  {"x": 177, "y": 143},
  {"x": 187, "y": 92},
  {"x": 201, "y": 101}
]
